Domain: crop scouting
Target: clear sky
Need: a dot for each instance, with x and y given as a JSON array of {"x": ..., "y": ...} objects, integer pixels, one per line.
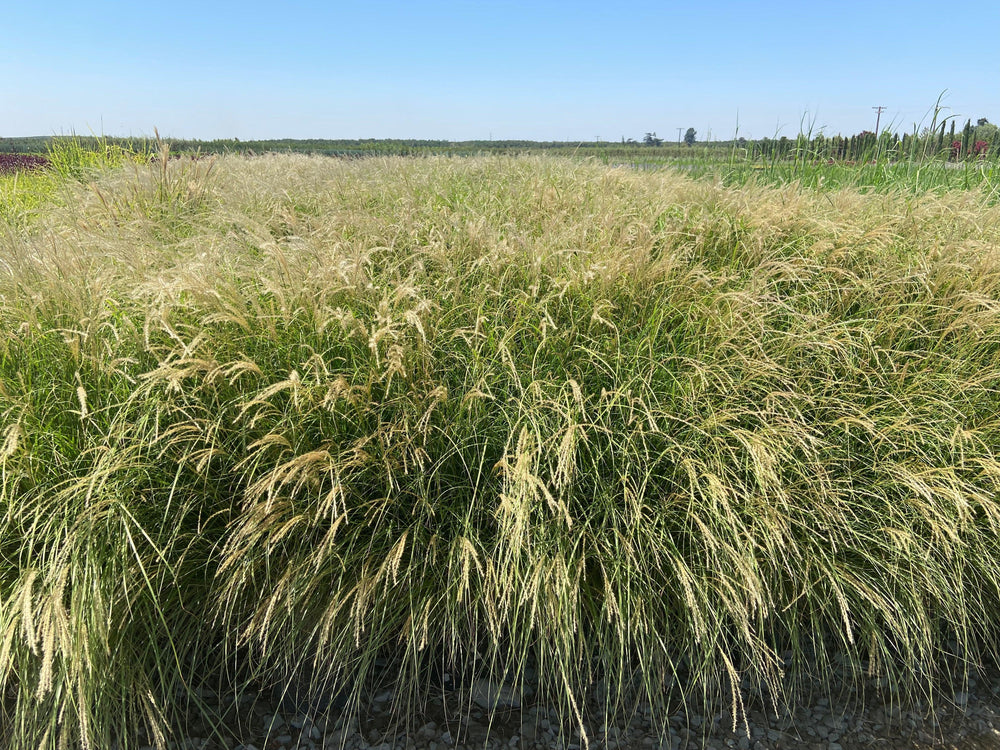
[{"x": 507, "y": 70}]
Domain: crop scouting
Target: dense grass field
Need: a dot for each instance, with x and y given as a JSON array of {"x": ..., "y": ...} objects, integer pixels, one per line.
[{"x": 286, "y": 419}]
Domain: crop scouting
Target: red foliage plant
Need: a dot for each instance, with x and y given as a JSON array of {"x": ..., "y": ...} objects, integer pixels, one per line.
[{"x": 10, "y": 163}]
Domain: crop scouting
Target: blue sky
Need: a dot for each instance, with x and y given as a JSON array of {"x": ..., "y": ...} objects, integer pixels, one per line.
[{"x": 506, "y": 70}]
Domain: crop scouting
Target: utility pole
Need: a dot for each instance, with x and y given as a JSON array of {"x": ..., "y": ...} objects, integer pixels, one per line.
[
  {"x": 679, "y": 136},
  {"x": 878, "y": 117}
]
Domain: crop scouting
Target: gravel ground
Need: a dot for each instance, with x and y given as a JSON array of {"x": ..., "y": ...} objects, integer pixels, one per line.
[{"x": 966, "y": 720}]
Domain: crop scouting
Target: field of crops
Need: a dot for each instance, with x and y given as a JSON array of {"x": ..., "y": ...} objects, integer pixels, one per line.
[{"x": 288, "y": 418}]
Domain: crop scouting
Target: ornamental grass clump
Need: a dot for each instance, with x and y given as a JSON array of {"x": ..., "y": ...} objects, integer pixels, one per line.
[{"x": 290, "y": 420}]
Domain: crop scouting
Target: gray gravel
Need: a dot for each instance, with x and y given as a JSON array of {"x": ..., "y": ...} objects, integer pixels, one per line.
[{"x": 968, "y": 719}]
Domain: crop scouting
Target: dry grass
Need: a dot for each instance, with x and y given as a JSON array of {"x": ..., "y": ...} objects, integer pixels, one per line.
[{"x": 286, "y": 416}]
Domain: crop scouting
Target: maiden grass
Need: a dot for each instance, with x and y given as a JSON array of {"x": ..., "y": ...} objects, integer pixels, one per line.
[{"x": 273, "y": 420}]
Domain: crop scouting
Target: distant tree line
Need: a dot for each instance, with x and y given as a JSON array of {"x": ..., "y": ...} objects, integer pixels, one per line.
[
  {"x": 973, "y": 141},
  {"x": 650, "y": 139},
  {"x": 977, "y": 140},
  {"x": 334, "y": 147}
]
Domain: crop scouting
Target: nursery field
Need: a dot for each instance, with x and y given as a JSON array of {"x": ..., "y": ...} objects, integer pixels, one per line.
[{"x": 301, "y": 421}]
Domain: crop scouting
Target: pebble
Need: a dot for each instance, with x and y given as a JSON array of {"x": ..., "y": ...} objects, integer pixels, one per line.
[
  {"x": 277, "y": 721},
  {"x": 819, "y": 725},
  {"x": 488, "y": 694}
]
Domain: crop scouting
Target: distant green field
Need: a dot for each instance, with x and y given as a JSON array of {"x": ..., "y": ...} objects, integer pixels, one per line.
[
  {"x": 911, "y": 163},
  {"x": 266, "y": 419}
]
